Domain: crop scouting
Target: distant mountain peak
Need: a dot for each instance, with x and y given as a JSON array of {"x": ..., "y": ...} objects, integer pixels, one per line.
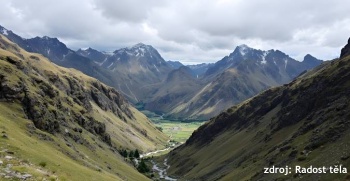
[
  {"x": 309, "y": 57},
  {"x": 138, "y": 50},
  {"x": 85, "y": 49},
  {"x": 174, "y": 64},
  {"x": 43, "y": 37},
  {"x": 93, "y": 54},
  {"x": 88, "y": 49},
  {"x": 243, "y": 46},
  {"x": 243, "y": 49},
  {"x": 140, "y": 45}
]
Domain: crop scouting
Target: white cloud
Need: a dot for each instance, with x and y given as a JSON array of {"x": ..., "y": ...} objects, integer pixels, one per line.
[{"x": 189, "y": 31}]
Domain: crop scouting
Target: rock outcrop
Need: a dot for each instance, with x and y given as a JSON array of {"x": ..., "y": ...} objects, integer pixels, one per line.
[{"x": 346, "y": 50}]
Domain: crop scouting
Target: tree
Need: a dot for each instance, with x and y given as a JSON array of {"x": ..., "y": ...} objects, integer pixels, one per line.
[
  {"x": 159, "y": 128},
  {"x": 131, "y": 154},
  {"x": 125, "y": 153},
  {"x": 137, "y": 154},
  {"x": 142, "y": 168}
]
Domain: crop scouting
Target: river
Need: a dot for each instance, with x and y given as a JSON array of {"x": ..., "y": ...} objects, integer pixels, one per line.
[{"x": 162, "y": 172}]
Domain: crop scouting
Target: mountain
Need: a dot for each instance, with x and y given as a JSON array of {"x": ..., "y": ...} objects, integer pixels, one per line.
[
  {"x": 239, "y": 76},
  {"x": 174, "y": 64},
  {"x": 49, "y": 47},
  {"x": 58, "y": 123},
  {"x": 199, "y": 69},
  {"x": 273, "y": 62},
  {"x": 58, "y": 52},
  {"x": 138, "y": 59},
  {"x": 302, "y": 123},
  {"x": 93, "y": 54},
  {"x": 137, "y": 71},
  {"x": 310, "y": 62},
  {"x": 175, "y": 88}
]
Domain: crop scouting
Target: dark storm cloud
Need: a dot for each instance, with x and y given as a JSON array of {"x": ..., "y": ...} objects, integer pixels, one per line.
[{"x": 191, "y": 31}]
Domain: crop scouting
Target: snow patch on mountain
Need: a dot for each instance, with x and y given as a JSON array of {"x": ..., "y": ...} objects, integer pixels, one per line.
[
  {"x": 142, "y": 50},
  {"x": 110, "y": 65},
  {"x": 5, "y": 32},
  {"x": 100, "y": 64},
  {"x": 156, "y": 68},
  {"x": 130, "y": 54},
  {"x": 285, "y": 63},
  {"x": 263, "y": 57},
  {"x": 85, "y": 49},
  {"x": 243, "y": 49}
]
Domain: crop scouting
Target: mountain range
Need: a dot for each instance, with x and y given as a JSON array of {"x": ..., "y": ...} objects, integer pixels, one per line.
[
  {"x": 242, "y": 74},
  {"x": 303, "y": 123},
  {"x": 146, "y": 79}
]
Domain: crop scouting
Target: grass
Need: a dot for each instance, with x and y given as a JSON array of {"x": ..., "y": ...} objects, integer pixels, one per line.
[
  {"x": 53, "y": 154},
  {"x": 26, "y": 146},
  {"x": 177, "y": 130}
]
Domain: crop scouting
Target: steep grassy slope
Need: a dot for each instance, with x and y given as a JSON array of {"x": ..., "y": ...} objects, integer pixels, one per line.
[
  {"x": 68, "y": 120},
  {"x": 305, "y": 122}
]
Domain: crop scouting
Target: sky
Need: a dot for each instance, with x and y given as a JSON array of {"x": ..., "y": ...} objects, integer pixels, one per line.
[{"x": 189, "y": 31}]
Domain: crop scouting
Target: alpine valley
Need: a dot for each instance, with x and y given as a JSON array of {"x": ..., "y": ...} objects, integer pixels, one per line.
[{"x": 80, "y": 115}]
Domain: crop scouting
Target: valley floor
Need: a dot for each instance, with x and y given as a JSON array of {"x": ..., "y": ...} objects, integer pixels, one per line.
[{"x": 178, "y": 130}]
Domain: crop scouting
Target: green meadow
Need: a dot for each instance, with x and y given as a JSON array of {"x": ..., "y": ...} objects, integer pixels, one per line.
[{"x": 177, "y": 130}]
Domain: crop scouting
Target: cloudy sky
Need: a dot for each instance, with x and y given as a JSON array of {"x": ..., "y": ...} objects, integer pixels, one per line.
[{"x": 191, "y": 31}]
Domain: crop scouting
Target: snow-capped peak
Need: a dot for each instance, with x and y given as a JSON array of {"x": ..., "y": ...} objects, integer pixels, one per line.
[
  {"x": 138, "y": 50},
  {"x": 85, "y": 49},
  {"x": 243, "y": 49},
  {"x": 243, "y": 46},
  {"x": 139, "y": 45}
]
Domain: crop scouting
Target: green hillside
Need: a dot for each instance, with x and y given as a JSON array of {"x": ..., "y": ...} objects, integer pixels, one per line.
[{"x": 59, "y": 123}]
